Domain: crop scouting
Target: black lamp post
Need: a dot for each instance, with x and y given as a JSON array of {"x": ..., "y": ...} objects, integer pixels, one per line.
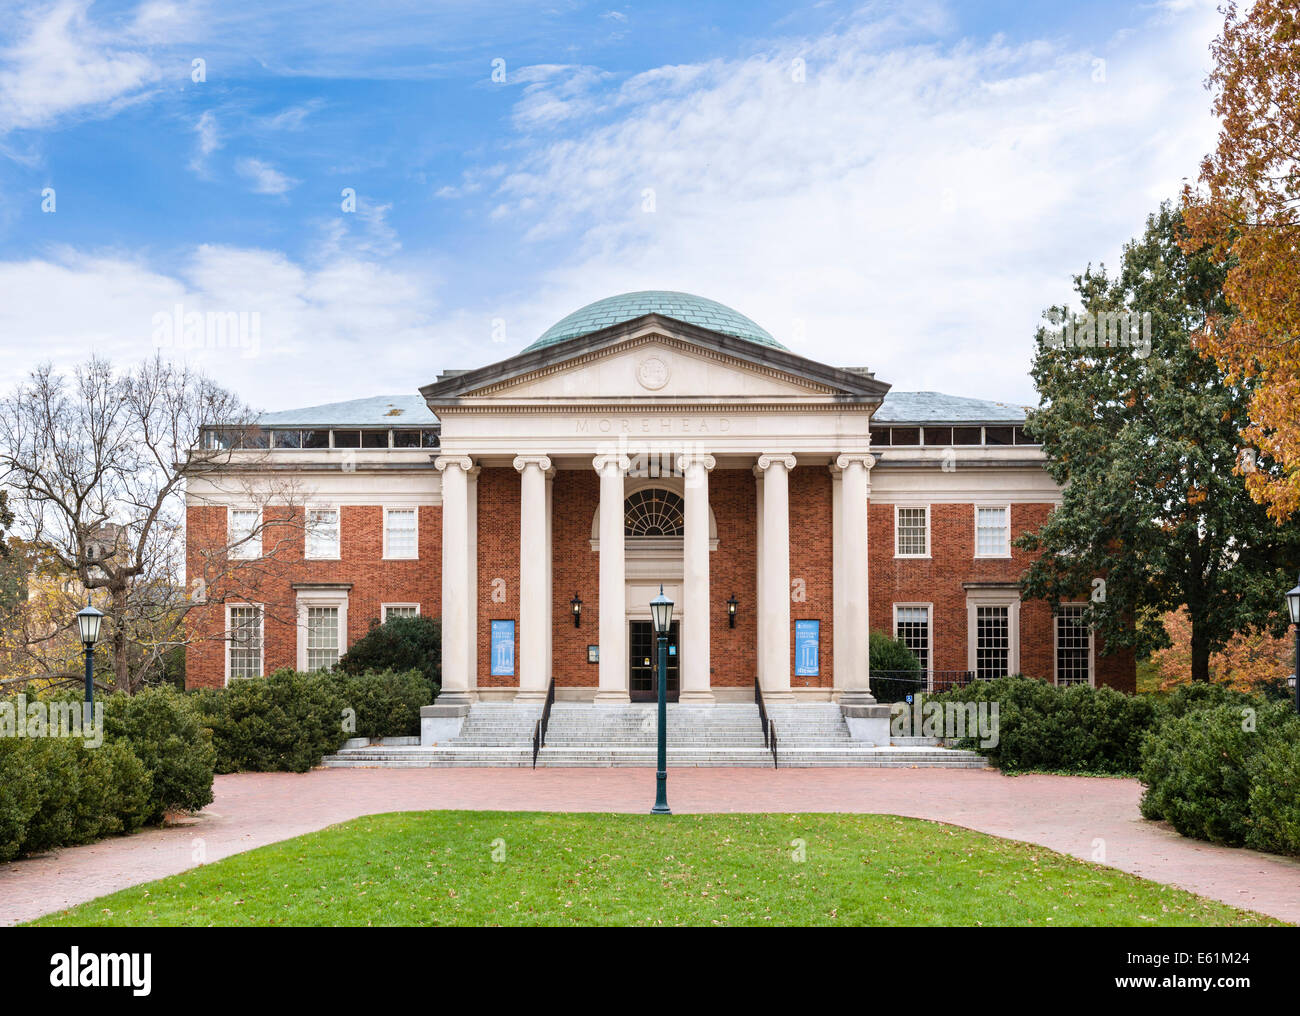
[
  {"x": 88, "y": 619},
  {"x": 576, "y": 604},
  {"x": 1293, "y": 605},
  {"x": 661, "y": 611},
  {"x": 732, "y": 604}
]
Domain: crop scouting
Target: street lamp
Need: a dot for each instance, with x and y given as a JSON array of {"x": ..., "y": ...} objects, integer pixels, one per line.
[
  {"x": 1293, "y": 605},
  {"x": 661, "y": 612},
  {"x": 88, "y": 620}
]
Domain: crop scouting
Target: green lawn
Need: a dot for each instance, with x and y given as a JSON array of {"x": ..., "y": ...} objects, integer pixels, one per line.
[{"x": 487, "y": 868}]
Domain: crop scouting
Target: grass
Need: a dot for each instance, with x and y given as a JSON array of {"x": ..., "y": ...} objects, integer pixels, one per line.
[{"x": 523, "y": 868}]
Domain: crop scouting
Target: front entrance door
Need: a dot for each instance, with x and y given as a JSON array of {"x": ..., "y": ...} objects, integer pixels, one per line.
[{"x": 643, "y": 661}]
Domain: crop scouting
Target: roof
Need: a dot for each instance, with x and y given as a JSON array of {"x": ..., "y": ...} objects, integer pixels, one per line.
[
  {"x": 378, "y": 411},
  {"x": 613, "y": 310},
  {"x": 935, "y": 407}
]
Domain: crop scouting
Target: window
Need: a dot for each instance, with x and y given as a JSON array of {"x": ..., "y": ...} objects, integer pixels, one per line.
[
  {"x": 1073, "y": 646},
  {"x": 967, "y": 435},
  {"x": 392, "y": 610},
  {"x": 399, "y": 533},
  {"x": 911, "y": 532},
  {"x": 244, "y": 648},
  {"x": 322, "y": 540},
  {"x": 243, "y": 534},
  {"x": 998, "y": 435},
  {"x": 322, "y": 637},
  {"x": 993, "y": 531},
  {"x": 905, "y": 436},
  {"x": 992, "y": 642},
  {"x": 912, "y": 628},
  {"x": 653, "y": 512},
  {"x": 938, "y": 435}
]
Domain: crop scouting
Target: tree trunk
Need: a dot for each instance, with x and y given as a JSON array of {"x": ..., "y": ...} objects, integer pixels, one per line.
[
  {"x": 121, "y": 669},
  {"x": 1200, "y": 655}
]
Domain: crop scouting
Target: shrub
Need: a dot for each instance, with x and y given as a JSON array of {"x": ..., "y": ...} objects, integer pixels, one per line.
[
  {"x": 400, "y": 644},
  {"x": 893, "y": 661},
  {"x": 1074, "y": 729},
  {"x": 1274, "y": 801},
  {"x": 284, "y": 722},
  {"x": 56, "y": 771},
  {"x": 1197, "y": 767},
  {"x": 19, "y": 794},
  {"x": 387, "y": 704},
  {"x": 115, "y": 793},
  {"x": 163, "y": 729}
]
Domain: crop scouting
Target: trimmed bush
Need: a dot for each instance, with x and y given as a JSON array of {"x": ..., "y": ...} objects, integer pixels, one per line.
[
  {"x": 387, "y": 704},
  {"x": 400, "y": 644},
  {"x": 891, "y": 655},
  {"x": 20, "y": 798},
  {"x": 1274, "y": 802},
  {"x": 164, "y": 731},
  {"x": 1199, "y": 767},
  {"x": 284, "y": 722},
  {"x": 115, "y": 793}
]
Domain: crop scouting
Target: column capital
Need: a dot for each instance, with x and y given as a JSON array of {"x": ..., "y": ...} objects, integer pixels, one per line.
[
  {"x": 600, "y": 462},
  {"x": 443, "y": 462},
  {"x": 684, "y": 462},
  {"x": 844, "y": 460},
  {"x": 766, "y": 462},
  {"x": 522, "y": 462}
]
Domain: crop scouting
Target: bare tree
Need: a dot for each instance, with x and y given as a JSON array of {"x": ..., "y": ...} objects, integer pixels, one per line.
[{"x": 96, "y": 464}]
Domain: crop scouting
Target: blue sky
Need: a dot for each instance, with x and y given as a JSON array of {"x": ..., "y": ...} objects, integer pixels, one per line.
[{"x": 900, "y": 186}]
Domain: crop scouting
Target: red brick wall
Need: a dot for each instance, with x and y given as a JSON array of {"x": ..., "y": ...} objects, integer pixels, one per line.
[
  {"x": 269, "y": 581},
  {"x": 498, "y": 558},
  {"x": 733, "y": 568},
  {"x": 938, "y": 580},
  {"x": 811, "y": 560},
  {"x": 575, "y": 568}
]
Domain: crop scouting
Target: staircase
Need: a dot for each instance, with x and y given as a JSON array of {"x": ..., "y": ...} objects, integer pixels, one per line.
[{"x": 586, "y": 735}]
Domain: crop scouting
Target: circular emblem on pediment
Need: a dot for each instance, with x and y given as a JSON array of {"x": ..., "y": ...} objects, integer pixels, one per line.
[{"x": 652, "y": 372}]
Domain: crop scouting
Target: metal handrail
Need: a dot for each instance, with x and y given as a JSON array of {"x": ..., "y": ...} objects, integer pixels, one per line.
[
  {"x": 762, "y": 711},
  {"x": 539, "y": 730},
  {"x": 772, "y": 728}
]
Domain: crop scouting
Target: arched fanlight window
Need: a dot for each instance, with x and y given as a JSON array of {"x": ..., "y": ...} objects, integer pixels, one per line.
[{"x": 653, "y": 512}]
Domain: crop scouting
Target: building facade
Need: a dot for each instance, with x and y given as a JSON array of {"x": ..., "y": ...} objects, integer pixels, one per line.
[{"x": 536, "y": 505}]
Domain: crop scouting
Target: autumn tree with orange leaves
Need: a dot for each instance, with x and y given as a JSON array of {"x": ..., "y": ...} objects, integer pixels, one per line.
[{"x": 1247, "y": 209}]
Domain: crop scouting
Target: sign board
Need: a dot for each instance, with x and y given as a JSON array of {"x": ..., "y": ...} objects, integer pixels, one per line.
[
  {"x": 807, "y": 648},
  {"x": 503, "y": 648}
]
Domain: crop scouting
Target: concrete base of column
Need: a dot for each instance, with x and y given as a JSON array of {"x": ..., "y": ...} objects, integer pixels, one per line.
[
  {"x": 855, "y": 698},
  {"x": 697, "y": 698},
  {"x": 612, "y": 698},
  {"x": 528, "y": 695},
  {"x": 455, "y": 698}
]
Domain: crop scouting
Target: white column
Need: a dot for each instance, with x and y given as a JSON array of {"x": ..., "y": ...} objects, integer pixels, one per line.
[
  {"x": 838, "y": 648},
  {"x": 852, "y": 674},
  {"x": 471, "y": 619},
  {"x": 613, "y": 591},
  {"x": 457, "y": 681},
  {"x": 534, "y": 597},
  {"x": 759, "y": 641},
  {"x": 696, "y": 612},
  {"x": 774, "y": 616},
  {"x": 550, "y": 573}
]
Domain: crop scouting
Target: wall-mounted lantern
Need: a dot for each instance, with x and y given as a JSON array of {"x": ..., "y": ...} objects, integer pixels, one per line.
[
  {"x": 576, "y": 604},
  {"x": 732, "y": 604}
]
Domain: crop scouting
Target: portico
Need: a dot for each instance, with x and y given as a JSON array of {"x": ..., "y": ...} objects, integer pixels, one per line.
[{"x": 686, "y": 454}]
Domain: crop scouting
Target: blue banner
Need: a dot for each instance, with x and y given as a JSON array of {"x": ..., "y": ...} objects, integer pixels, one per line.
[
  {"x": 807, "y": 648},
  {"x": 503, "y": 648}
]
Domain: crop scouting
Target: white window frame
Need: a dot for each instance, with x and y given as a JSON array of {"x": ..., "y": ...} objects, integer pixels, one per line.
[
  {"x": 230, "y": 642},
  {"x": 321, "y": 598},
  {"x": 996, "y": 596},
  {"x": 1056, "y": 643},
  {"x": 975, "y": 522},
  {"x": 385, "y": 607},
  {"x": 415, "y": 554},
  {"x": 929, "y": 634},
  {"x": 306, "y": 534},
  {"x": 251, "y": 549},
  {"x": 897, "y": 532}
]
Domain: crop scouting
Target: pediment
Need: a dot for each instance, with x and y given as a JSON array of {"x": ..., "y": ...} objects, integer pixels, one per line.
[{"x": 653, "y": 359}]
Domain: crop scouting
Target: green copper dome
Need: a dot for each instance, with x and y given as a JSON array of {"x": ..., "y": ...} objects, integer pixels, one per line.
[{"x": 614, "y": 310}]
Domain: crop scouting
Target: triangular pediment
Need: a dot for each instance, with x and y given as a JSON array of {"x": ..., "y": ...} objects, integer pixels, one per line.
[{"x": 654, "y": 359}]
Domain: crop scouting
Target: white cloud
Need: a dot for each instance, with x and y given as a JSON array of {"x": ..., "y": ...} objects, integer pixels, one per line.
[
  {"x": 910, "y": 207},
  {"x": 264, "y": 177},
  {"x": 65, "y": 64},
  {"x": 209, "y": 140}
]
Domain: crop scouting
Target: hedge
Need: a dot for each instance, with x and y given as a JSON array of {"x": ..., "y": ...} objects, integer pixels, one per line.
[
  {"x": 400, "y": 644},
  {"x": 56, "y": 791},
  {"x": 386, "y": 704}
]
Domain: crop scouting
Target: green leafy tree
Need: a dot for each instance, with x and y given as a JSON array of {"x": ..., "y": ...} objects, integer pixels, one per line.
[
  {"x": 401, "y": 643},
  {"x": 1154, "y": 515}
]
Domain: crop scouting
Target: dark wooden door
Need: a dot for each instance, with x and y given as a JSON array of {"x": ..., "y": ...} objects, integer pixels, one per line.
[{"x": 643, "y": 662}]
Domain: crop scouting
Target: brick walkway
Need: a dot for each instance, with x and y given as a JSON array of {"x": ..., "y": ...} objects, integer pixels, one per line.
[{"x": 1068, "y": 814}]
